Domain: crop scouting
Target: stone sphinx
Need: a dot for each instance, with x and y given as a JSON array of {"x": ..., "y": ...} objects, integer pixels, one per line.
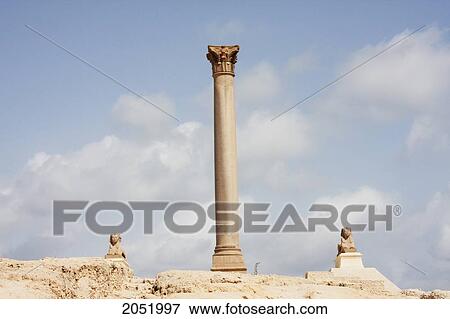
[
  {"x": 115, "y": 250},
  {"x": 347, "y": 245}
]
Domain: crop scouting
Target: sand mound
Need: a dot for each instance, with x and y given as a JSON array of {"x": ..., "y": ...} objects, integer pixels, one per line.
[
  {"x": 205, "y": 284},
  {"x": 100, "y": 278},
  {"x": 67, "y": 278}
]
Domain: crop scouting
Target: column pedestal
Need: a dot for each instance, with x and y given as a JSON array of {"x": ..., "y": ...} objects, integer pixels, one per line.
[{"x": 228, "y": 259}]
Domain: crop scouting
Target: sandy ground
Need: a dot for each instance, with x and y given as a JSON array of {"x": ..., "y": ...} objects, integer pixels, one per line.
[{"x": 100, "y": 278}]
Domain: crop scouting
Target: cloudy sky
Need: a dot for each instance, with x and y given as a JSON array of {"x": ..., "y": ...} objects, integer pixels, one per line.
[{"x": 380, "y": 136}]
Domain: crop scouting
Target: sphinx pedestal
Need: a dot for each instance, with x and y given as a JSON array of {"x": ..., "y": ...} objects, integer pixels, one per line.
[
  {"x": 349, "y": 261},
  {"x": 349, "y": 268}
]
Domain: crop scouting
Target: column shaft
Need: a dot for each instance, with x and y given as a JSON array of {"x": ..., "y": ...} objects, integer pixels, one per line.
[{"x": 227, "y": 253}]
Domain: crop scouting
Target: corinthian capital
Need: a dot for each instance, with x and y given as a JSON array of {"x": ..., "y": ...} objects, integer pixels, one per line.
[{"x": 222, "y": 58}]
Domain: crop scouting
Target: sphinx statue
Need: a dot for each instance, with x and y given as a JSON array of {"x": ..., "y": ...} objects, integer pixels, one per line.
[
  {"x": 115, "y": 250},
  {"x": 347, "y": 245}
]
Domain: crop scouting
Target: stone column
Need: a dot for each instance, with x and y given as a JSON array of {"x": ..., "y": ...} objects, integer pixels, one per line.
[{"x": 227, "y": 254}]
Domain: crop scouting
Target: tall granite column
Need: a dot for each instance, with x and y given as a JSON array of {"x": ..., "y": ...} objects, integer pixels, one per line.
[{"x": 227, "y": 253}]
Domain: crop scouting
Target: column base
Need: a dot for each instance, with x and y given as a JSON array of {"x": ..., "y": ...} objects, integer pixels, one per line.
[{"x": 228, "y": 259}]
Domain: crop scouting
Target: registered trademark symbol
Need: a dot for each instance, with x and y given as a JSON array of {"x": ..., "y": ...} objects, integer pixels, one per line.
[{"x": 397, "y": 209}]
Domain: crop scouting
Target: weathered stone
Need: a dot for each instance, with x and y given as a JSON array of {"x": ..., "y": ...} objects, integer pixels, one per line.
[
  {"x": 115, "y": 250},
  {"x": 346, "y": 245}
]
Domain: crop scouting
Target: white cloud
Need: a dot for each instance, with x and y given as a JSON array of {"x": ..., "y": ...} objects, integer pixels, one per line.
[
  {"x": 438, "y": 209},
  {"x": 280, "y": 176},
  {"x": 262, "y": 139},
  {"x": 140, "y": 115},
  {"x": 428, "y": 130},
  {"x": 411, "y": 76},
  {"x": 443, "y": 244},
  {"x": 265, "y": 147},
  {"x": 409, "y": 81},
  {"x": 363, "y": 195},
  {"x": 257, "y": 86},
  {"x": 421, "y": 238},
  {"x": 300, "y": 63},
  {"x": 231, "y": 28}
]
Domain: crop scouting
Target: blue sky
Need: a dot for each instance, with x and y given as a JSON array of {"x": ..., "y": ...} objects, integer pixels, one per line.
[
  {"x": 380, "y": 135},
  {"x": 45, "y": 89}
]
